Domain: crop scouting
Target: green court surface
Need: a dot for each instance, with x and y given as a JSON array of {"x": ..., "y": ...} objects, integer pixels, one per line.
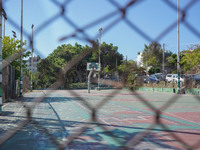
[{"x": 138, "y": 120}]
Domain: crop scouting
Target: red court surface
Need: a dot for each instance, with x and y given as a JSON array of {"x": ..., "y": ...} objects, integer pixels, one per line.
[{"x": 121, "y": 119}]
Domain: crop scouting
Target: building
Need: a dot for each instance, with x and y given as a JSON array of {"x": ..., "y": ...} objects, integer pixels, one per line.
[{"x": 36, "y": 60}]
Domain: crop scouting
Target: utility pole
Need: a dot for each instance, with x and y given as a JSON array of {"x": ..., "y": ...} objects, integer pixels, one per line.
[
  {"x": 11, "y": 77},
  {"x": 21, "y": 44},
  {"x": 178, "y": 51},
  {"x": 163, "y": 58},
  {"x": 147, "y": 62},
  {"x": 32, "y": 60},
  {"x": 116, "y": 63},
  {"x": 126, "y": 59},
  {"x": 117, "y": 70},
  {"x": 5, "y": 18},
  {"x": 99, "y": 58},
  {"x": 1, "y": 91}
]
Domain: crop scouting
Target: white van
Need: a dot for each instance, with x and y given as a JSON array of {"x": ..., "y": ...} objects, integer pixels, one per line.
[
  {"x": 175, "y": 78},
  {"x": 169, "y": 78}
]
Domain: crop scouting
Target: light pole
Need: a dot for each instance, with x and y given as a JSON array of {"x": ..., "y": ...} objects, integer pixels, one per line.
[
  {"x": 32, "y": 61},
  {"x": 11, "y": 81},
  {"x": 163, "y": 58},
  {"x": 147, "y": 61},
  {"x": 178, "y": 50},
  {"x": 99, "y": 58},
  {"x": 1, "y": 56},
  {"x": 5, "y": 18},
  {"x": 21, "y": 45}
]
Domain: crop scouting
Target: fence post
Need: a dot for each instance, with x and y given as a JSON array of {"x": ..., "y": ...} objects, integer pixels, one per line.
[
  {"x": 16, "y": 88},
  {"x": 11, "y": 82},
  {"x": 7, "y": 82}
]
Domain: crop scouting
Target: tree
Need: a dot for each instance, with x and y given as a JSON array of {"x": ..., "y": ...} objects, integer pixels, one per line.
[
  {"x": 49, "y": 68},
  {"x": 128, "y": 71},
  {"x": 153, "y": 70},
  {"x": 172, "y": 60},
  {"x": 10, "y": 47},
  {"x": 152, "y": 54},
  {"x": 191, "y": 60},
  {"x": 47, "y": 75},
  {"x": 109, "y": 56}
]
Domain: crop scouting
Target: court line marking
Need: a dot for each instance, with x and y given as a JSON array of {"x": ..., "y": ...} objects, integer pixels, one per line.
[
  {"x": 181, "y": 117},
  {"x": 16, "y": 114},
  {"x": 164, "y": 116},
  {"x": 5, "y": 105},
  {"x": 139, "y": 111}
]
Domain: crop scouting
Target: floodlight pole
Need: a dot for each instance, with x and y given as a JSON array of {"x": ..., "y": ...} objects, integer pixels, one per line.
[
  {"x": 21, "y": 45},
  {"x": 32, "y": 60},
  {"x": 178, "y": 50},
  {"x": 4, "y": 27},
  {"x": 5, "y": 18},
  {"x": 99, "y": 58},
  {"x": 147, "y": 52},
  {"x": 1, "y": 57},
  {"x": 163, "y": 58}
]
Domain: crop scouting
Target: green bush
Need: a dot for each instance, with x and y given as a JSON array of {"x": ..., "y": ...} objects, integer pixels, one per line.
[
  {"x": 78, "y": 85},
  {"x": 154, "y": 70}
]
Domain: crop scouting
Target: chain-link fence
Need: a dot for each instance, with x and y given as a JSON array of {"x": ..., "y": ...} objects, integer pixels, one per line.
[{"x": 94, "y": 109}]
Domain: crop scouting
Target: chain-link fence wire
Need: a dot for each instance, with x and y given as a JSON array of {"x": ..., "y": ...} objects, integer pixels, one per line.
[{"x": 94, "y": 110}]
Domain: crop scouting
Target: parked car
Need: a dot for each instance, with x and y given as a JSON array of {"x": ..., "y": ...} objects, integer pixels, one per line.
[
  {"x": 175, "y": 78},
  {"x": 193, "y": 77},
  {"x": 168, "y": 78},
  {"x": 196, "y": 76},
  {"x": 160, "y": 76},
  {"x": 182, "y": 78},
  {"x": 153, "y": 78}
]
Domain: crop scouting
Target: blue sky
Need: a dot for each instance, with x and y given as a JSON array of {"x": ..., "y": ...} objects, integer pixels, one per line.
[{"x": 152, "y": 17}]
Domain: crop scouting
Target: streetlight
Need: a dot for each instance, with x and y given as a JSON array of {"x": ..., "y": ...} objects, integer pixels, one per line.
[
  {"x": 21, "y": 45},
  {"x": 99, "y": 58},
  {"x": 14, "y": 35},
  {"x": 32, "y": 60},
  {"x": 178, "y": 50},
  {"x": 147, "y": 52},
  {"x": 163, "y": 59},
  {"x": 5, "y": 18}
]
